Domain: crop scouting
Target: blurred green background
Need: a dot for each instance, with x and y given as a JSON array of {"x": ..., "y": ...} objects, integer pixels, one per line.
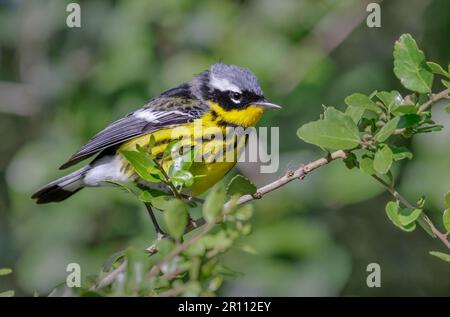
[{"x": 59, "y": 86}]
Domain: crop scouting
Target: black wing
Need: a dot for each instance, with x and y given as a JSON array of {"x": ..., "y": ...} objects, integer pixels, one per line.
[{"x": 159, "y": 113}]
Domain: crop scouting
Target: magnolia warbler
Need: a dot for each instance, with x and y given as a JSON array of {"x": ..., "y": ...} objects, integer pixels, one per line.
[{"x": 222, "y": 96}]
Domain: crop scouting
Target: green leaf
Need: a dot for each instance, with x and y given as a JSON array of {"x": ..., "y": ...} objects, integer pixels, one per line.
[
  {"x": 366, "y": 165},
  {"x": 165, "y": 246},
  {"x": 425, "y": 227},
  {"x": 430, "y": 128},
  {"x": 392, "y": 212},
  {"x": 9, "y": 293},
  {"x": 159, "y": 202},
  {"x": 351, "y": 161},
  {"x": 392, "y": 100},
  {"x": 410, "y": 66},
  {"x": 355, "y": 113},
  {"x": 362, "y": 101},
  {"x": 171, "y": 149},
  {"x": 407, "y": 216},
  {"x": 383, "y": 159},
  {"x": 214, "y": 203},
  {"x": 244, "y": 213},
  {"x": 446, "y": 219},
  {"x": 176, "y": 218},
  {"x": 108, "y": 264},
  {"x": 240, "y": 185},
  {"x": 338, "y": 117},
  {"x": 387, "y": 130},
  {"x": 132, "y": 188},
  {"x": 409, "y": 121},
  {"x": 406, "y": 109},
  {"x": 151, "y": 142},
  {"x": 437, "y": 69},
  {"x": 329, "y": 135},
  {"x": 447, "y": 200},
  {"x": 441, "y": 255},
  {"x": 183, "y": 177},
  {"x": 446, "y": 83},
  {"x": 143, "y": 165},
  {"x": 447, "y": 108},
  {"x": 401, "y": 153},
  {"x": 5, "y": 271}
]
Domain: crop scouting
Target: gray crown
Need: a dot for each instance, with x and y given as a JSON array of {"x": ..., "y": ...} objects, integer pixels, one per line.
[{"x": 238, "y": 76}]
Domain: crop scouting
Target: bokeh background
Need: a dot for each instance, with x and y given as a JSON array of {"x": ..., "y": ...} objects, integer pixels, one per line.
[{"x": 59, "y": 86}]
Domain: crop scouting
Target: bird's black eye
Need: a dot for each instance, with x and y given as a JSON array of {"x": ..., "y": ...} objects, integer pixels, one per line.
[{"x": 236, "y": 97}]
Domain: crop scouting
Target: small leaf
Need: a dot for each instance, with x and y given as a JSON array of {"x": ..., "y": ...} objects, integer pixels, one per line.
[
  {"x": 425, "y": 227},
  {"x": 240, "y": 185},
  {"x": 176, "y": 218},
  {"x": 446, "y": 219},
  {"x": 406, "y": 109},
  {"x": 446, "y": 83},
  {"x": 329, "y": 135},
  {"x": 437, "y": 69},
  {"x": 162, "y": 202},
  {"x": 5, "y": 271},
  {"x": 430, "y": 128},
  {"x": 410, "y": 66},
  {"x": 129, "y": 187},
  {"x": 355, "y": 113},
  {"x": 244, "y": 213},
  {"x": 171, "y": 149},
  {"x": 392, "y": 100},
  {"x": 447, "y": 200},
  {"x": 9, "y": 293},
  {"x": 443, "y": 256},
  {"x": 108, "y": 264},
  {"x": 165, "y": 246},
  {"x": 338, "y": 117},
  {"x": 447, "y": 108},
  {"x": 366, "y": 165},
  {"x": 387, "y": 130},
  {"x": 144, "y": 166},
  {"x": 401, "y": 153},
  {"x": 383, "y": 159},
  {"x": 362, "y": 101},
  {"x": 407, "y": 216},
  {"x": 409, "y": 121},
  {"x": 151, "y": 142},
  {"x": 214, "y": 203},
  {"x": 183, "y": 178},
  {"x": 392, "y": 212}
]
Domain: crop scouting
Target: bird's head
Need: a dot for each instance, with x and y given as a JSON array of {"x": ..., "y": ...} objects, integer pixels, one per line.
[{"x": 234, "y": 93}]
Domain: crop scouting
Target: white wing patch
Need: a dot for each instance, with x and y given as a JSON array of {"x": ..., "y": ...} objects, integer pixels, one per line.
[
  {"x": 150, "y": 115},
  {"x": 224, "y": 84}
]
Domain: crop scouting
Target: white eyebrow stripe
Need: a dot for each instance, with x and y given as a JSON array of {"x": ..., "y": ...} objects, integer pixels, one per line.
[{"x": 224, "y": 84}]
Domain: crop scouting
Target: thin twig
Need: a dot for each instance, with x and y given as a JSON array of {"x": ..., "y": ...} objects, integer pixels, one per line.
[{"x": 441, "y": 95}]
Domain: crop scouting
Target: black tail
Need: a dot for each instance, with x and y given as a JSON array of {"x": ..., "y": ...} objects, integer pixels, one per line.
[{"x": 61, "y": 188}]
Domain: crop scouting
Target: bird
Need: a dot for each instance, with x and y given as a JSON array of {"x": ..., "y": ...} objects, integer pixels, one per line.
[{"x": 223, "y": 96}]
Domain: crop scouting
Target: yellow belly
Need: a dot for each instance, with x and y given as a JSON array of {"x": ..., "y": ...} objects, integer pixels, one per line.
[{"x": 210, "y": 172}]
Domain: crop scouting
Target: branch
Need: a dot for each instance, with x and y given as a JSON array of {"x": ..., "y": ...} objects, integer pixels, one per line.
[
  {"x": 299, "y": 173},
  {"x": 441, "y": 95},
  {"x": 444, "y": 94}
]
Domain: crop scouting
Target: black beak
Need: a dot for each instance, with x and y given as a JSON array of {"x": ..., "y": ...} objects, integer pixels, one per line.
[{"x": 266, "y": 104}]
